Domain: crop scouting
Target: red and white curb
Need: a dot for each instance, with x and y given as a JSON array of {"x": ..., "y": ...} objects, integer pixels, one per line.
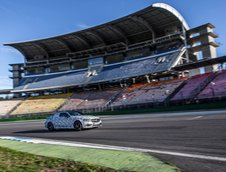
[{"x": 108, "y": 147}]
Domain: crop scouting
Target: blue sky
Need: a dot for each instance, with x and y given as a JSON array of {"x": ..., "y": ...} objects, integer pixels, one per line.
[{"x": 22, "y": 20}]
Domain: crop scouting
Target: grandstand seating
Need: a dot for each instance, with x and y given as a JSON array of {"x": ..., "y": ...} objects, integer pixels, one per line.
[
  {"x": 108, "y": 73},
  {"x": 192, "y": 84},
  {"x": 51, "y": 81},
  {"x": 216, "y": 88},
  {"x": 147, "y": 93},
  {"x": 145, "y": 66},
  {"x": 154, "y": 92},
  {"x": 89, "y": 100},
  {"x": 7, "y": 105},
  {"x": 41, "y": 104}
]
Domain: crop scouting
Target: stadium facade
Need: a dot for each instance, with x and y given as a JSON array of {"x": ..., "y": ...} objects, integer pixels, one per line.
[{"x": 152, "y": 51}]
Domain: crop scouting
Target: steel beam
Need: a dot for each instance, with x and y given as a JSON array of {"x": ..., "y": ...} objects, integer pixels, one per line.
[{"x": 145, "y": 23}]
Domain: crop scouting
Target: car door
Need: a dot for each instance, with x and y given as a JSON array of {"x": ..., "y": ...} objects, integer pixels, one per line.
[
  {"x": 56, "y": 120},
  {"x": 64, "y": 120}
]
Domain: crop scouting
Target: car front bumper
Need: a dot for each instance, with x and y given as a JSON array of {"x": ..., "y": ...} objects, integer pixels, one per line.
[{"x": 92, "y": 124}]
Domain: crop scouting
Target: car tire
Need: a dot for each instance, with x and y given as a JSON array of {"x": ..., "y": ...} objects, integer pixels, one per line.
[
  {"x": 78, "y": 126},
  {"x": 50, "y": 126}
]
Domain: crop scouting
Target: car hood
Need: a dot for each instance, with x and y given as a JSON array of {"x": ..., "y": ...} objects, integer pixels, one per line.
[{"x": 87, "y": 117}]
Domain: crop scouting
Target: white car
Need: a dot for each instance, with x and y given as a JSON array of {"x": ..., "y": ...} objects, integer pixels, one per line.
[{"x": 71, "y": 120}]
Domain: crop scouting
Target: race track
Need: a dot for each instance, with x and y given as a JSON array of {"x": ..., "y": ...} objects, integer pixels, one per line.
[{"x": 195, "y": 133}]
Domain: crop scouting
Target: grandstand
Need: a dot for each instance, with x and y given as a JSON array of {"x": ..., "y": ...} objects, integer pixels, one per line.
[
  {"x": 40, "y": 104},
  {"x": 216, "y": 88},
  {"x": 147, "y": 57},
  {"x": 147, "y": 93},
  {"x": 193, "y": 86},
  {"x": 108, "y": 73},
  {"x": 7, "y": 106},
  {"x": 90, "y": 100}
]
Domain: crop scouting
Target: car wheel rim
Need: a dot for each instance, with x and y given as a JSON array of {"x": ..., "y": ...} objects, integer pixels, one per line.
[
  {"x": 50, "y": 127},
  {"x": 77, "y": 126}
]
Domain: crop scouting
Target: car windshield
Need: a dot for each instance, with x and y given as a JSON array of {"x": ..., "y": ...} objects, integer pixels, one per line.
[{"x": 75, "y": 113}]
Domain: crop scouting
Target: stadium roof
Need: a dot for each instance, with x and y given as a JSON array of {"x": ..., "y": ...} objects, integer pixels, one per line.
[{"x": 143, "y": 25}]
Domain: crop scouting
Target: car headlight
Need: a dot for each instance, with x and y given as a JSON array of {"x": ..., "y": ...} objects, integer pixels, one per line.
[{"x": 86, "y": 120}]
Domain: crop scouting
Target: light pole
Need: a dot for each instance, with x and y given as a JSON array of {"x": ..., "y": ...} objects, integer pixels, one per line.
[
  {"x": 212, "y": 88},
  {"x": 167, "y": 92}
]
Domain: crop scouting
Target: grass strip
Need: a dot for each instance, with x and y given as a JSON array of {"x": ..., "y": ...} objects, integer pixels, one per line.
[
  {"x": 24, "y": 118},
  {"x": 16, "y": 161},
  {"x": 117, "y": 160}
]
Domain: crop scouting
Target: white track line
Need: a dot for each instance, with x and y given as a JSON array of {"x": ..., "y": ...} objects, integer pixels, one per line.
[
  {"x": 197, "y": 117},
  {"x": 119, "y": 148}
]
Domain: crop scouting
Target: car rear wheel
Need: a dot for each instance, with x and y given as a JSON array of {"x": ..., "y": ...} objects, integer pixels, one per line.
[
  {"x": 77, "y": 126},
  {"x": 50, "y": 127}
]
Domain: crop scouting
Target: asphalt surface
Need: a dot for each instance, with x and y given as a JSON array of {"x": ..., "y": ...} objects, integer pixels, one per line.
[{"x": 198, "y": 133}]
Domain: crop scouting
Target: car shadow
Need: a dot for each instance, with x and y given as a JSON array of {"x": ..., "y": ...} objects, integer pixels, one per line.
[{"x": 46, "y": 131}]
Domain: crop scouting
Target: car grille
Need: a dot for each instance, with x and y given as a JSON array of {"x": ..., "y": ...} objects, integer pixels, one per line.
[{"x": 95, "y": 120}]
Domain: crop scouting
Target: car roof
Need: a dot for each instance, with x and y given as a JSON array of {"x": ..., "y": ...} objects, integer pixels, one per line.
[{"x": 68, "y": 111}]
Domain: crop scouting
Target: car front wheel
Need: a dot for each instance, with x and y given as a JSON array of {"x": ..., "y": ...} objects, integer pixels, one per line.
[
  {"x": 77, "y": 126},
  {"x": 50, "y": 127}
]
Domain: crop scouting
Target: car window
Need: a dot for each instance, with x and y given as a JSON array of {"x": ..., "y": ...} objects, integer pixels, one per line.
[
  {"x": 56, "y": 115},
  {"x": 75, "y": 113},
  {"x": 64, "y": 115}
]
